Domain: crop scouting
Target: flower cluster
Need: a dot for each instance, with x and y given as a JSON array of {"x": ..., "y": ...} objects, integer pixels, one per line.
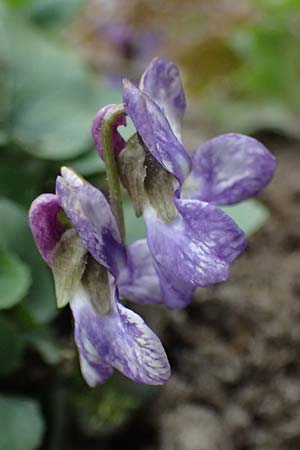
[{"x": 191, "y": 242}]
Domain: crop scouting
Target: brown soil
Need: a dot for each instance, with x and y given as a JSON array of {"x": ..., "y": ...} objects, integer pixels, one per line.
[{"x": 235, "y": 351}]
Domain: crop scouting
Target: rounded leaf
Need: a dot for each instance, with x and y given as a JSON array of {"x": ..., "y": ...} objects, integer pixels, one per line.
[
  {"x": 14, "y": 279},
  {"x": 21, "y": 424},
  {"x": 11, "y": 347}
]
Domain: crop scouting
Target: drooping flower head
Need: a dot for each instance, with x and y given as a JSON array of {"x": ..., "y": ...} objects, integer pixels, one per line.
[
  {"x": 77, "y": 235},
  {"x": 192, "y": 241}
]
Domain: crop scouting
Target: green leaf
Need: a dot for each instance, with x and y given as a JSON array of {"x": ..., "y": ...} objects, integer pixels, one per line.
[
  {"x": 16, "y": 236},
  {"x": 52, "y": 13},
  {"x": 11, "y": 347},
  {"x": 55, "y": 95},
  {"x": 18, "y": 3},
  {"x": 249, "y": 215},
  {"x": 14, "y": 279},
  {"x": 12, "y": 226},
  {"x": 135, "y": 227},
  {"x": 21, "y": 424},
  {"x": 45, "y": 344},
  {"x": 29, "y": 175},
  {"x": 89, "y": 164},
  {"x": 248, "y": 116}
]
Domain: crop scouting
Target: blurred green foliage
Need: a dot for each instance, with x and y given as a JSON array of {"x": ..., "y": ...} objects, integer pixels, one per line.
[
  {"x": 11, "y": 347},
  {"x": 262, "y": 91},
  {"x": 48, "y": 99},
  {"x": 269, "y": 49},
  {"x": 110, "y": 408},
  {"x": 20, "y": 423},
  {"x": 49, "y": 96}
]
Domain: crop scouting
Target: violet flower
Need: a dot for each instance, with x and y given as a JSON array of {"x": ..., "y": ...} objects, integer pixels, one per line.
[
  {"x": 192, "y": 241},
  {"x": 92, "y": 268},
  {"x": 131, "y": 42}
]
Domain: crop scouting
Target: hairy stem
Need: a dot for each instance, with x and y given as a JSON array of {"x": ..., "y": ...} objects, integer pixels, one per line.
[{"x": 111, "y": 165}]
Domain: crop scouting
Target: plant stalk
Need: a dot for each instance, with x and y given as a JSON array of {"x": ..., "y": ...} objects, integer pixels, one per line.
[{"x": 111, "y": 165}]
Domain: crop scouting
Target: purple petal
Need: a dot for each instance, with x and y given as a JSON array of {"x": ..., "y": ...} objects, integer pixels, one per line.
[
  {"x": 94, "y": 370},
  {"x": 120, "y": 339},
  {"x": 175, "y": 292},
  {"x": 162, "y": 83},
  {"x": 71, "y": 176},
  {"x": 120, "y": 35},
  {"x": 195, "y": 250},
  {"x": 140, "y": 43},
  {"x": 90, "y": 214},
  {"x": 44, "y": 224},
  {"x": 156, "y": 133},
  {"x": 228, "y": 169},
  {"x": 138, "y": 281},
  {"x": 118, "y": 142},
  {"x": 209, "y": 225}
]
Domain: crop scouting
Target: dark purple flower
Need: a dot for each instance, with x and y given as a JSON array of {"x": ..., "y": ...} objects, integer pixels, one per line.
[
  {"x": 192, "y": 241},
  {"x": 118, "y": 337}
]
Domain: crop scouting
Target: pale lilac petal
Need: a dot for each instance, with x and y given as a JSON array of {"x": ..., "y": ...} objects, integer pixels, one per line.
[
  {"x": 118, "y": 142},
  {"x": 195, "y": 250},
  {"x": 94, "y": 370},
  {"x": 162, "y": 83},
  {"x": 120, "y": 339},
  {"x": 45, "y": 226},
  {"x": 228, "y": 169},
  {"x": 90, "y": 214},
  {"x": 175, "y": 292},
  {"x": 71, "y": 176},
  {"x": 209, "y": 225},
  {"x": 138, "y": 281},
  {"x": 156, "y": 133}
]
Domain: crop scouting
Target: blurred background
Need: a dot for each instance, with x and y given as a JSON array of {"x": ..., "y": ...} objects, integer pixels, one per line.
[{"x": 235, "y": 351}]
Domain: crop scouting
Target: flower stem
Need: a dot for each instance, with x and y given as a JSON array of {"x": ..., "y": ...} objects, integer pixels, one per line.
[{"x": 111, "y": 165}]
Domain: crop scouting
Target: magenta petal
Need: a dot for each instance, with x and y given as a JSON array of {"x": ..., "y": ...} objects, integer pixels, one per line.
[
  {"x": 228, "y": 169},
  {"x": 156, "y": 133},
  {"x": 44, "y": 224},
  {"x": 120, "y": 339},
  {"x": 138, "y": 281},
  {"x": 195, "y": 250},
  {"x": 162, "y": 83},
  {"x": 118, "y": 142},
  {"x": 90, "y": 214}
]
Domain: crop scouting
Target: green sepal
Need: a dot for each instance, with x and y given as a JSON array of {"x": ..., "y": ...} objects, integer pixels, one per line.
[
  {"x": 95, "y": 281},
  {"x": 69, "y": 260},
  {"x": 160, "y": 186},
  {"x": 132, "y": 171}
]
